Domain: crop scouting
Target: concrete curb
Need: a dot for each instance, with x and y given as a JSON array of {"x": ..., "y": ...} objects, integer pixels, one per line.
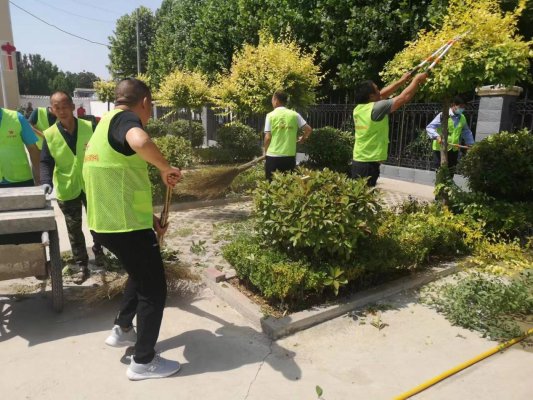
[{"x": 277, "y": 328}]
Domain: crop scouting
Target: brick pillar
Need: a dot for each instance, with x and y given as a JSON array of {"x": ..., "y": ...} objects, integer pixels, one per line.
[{"x": 495, "y": 109}]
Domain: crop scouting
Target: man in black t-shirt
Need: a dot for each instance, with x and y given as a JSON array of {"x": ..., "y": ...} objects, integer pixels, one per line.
[{"x": 120, "y": 217}]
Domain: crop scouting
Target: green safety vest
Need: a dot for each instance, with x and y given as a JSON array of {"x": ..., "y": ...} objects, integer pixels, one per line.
[
  {"x": 41, "y": 124},
  {"x": 454, "y": 134},
  {"x": 67, "y": 172},
  {"x": 284, "y": 130},
  {"x": 119, "y": 194},
  {"x": 14, "y": 165},
  {"x": 371, "y": 137}
]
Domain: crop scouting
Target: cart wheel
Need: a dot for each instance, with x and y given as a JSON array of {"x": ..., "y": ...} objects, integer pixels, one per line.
[{"x": 55, "y": 272}]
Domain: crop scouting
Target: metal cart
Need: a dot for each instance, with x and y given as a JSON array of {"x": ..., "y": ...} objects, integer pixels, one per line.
[{"x": 27, "y": 229}]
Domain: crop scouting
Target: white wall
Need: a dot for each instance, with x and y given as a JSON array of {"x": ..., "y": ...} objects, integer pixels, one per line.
[{"x": 92, "y": 107}]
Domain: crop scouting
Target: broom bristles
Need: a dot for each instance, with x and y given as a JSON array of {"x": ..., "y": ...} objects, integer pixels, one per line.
[
  {"x": 113, "y": 284},
  {"x": 207, "y": 184},
  {"x": 211, "y": 183}
]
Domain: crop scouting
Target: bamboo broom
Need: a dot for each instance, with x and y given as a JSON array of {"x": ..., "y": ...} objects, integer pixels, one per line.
[{"x": 211, "y": 183}]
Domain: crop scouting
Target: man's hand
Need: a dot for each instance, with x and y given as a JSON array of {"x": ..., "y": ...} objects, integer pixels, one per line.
[
  {"x": 171, "y": 176},
  {"x": 301, "y": 139},
  {"x": 405, "y": 77},
  {"x": 421, "y": 77},
  {"x": 439, "y": 140},
  {"x": 159, "y": 230},
  {"x": 47, "y": 189}
]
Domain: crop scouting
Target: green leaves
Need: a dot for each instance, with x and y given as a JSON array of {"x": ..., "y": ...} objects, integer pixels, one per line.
[
  {"x": 330, "y": 148},
  {"x": 489, "y": 169},
  {"x": 326, "y": 214},
  {"x": 492, "y": 52}
]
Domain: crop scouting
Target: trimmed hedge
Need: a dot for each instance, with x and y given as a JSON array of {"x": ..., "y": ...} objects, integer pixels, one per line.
[
  {"x": 502, "y": 166},
  {"x": 330, "y": 148}
]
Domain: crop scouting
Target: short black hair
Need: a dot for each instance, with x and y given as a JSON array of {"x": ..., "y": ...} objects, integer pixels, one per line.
[
  {"x": 131, "y": 91},
  {"x": 363, "y": 91},
  {"x": 281, "y": 95},
  {"x": 68, "y": 96},
  {"x": 458, "y": 100}
]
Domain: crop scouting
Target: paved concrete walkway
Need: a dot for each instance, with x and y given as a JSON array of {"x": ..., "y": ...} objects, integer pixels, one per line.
[{"x": 62, "y": 356}]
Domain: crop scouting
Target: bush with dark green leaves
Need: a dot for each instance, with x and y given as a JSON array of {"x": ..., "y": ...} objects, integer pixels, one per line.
[
  {"x": 502, "y": 166},
  {"x": 240, "y": 140},
  {"x": 499, "y": 217},
  {"x": 271, "y": 271},
  {"x": 178, "y": 153},
  {"x": 329, "y": 148},
  {"x": 191, "y": 131},
  {"x": 319, "y": 213}
]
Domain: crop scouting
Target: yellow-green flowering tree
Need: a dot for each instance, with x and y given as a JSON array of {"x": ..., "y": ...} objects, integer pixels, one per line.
[
  {"x": 183, "y": 89},
  {"x": 492, "y": 52},
  {"x": 258, "y": 71},
  {"x": 105, "y": 90}
]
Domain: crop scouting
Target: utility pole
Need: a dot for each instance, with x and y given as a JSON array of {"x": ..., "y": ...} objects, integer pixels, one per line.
[{"x": 138, "y": 46}]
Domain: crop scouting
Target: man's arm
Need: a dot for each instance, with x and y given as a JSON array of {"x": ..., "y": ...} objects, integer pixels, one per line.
[
  {"x": 408, "y": 93},
  {"x": 268, "y": 138},
  {"x": 47, "y": 165},
  {"x": 141, "y": 144},
  {"x": 388, "y": 90},
  {"x": 431, "y": 129},
  {"x": 35, "y": 156},
  {"x": 307, "y": 130}
]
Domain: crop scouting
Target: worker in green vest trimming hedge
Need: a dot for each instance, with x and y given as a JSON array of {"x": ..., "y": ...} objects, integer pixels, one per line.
[
  {"x": 41, "y": 119},
  {"x": 120, "y": 215},
  {"x": 62, "y": 157},
  {"x": 281, "y": 136},
  {"x": 371, "y": 120},
  {"x": 457, "y": 129},
  {"x": 16, "y": 136}
]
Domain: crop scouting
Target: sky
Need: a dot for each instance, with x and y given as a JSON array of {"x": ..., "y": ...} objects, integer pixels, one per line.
[{"x": 91, "y": 19}]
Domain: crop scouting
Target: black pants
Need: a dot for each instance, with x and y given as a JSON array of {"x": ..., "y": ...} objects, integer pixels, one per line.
[
  {"x": 146, "y": 288},
  {"x": 453, "y": 157},
  {"x": 281, "y": 164},
  {"x": 368, "y": 170}
]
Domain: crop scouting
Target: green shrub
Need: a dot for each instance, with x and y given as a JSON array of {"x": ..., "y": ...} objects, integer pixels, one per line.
[
  {"x": 157, "y": 128},
  {"x": 324, "y": 214},
  {"x": 178, "y": 153},
  {"x": 329, "y": 148},
  {"x": 240, "y": 140},
  {"x": 215, "y": 155},
  {"x": 276, "y": 276},
  {"x": 502, "y": 166},
  {"x": 193, "y": 132},
  {"x": 410, "y": 239},
  {"x": 498, "y": 217}
]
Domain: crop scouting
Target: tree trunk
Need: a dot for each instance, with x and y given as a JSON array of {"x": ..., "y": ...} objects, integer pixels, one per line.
[
  {"x": 443, "y": 177},
  {"x": 444, "y": 134},
  {"x": 190, "y": 124},
  {"x": 108, "y": 106}
]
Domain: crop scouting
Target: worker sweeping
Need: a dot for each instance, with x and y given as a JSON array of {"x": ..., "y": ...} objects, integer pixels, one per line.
[
  {"x": 62, "y": 154},
  {"x": 458, "y": 130},
  {"x": 281, "y": 136},
  {"x": 120, "y": 215}
]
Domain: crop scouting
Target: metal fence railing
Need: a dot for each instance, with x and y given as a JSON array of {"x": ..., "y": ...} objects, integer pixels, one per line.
[{"x": 409, "y": 145}]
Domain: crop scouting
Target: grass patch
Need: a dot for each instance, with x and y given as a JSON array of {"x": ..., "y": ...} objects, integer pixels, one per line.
[{"x": 498, "y": 307}]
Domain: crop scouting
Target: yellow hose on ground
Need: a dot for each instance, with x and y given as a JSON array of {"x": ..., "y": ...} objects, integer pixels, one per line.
[{"x": 462, "y": 366}]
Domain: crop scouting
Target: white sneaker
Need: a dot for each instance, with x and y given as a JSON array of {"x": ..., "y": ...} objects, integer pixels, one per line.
[
  {"x": 121, "y": 338},
  {"x": 159, "y": 367}
]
